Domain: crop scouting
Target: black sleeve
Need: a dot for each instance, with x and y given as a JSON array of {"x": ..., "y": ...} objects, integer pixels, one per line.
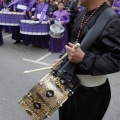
[{"x": 109, "y": 43}]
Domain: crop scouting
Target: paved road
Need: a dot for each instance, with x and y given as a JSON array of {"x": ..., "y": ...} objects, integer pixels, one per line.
[{"x": 14, "y": 59}]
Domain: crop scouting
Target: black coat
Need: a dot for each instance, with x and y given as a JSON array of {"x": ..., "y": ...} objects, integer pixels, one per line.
[{"x": 104, "y": 55}]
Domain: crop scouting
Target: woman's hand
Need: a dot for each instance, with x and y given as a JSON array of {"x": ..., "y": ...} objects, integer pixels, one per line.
[{"x": 74, "y": 55}]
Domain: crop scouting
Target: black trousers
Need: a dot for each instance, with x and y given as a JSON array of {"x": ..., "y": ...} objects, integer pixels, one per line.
[
  {"x": 16, "y": 35},
  {"x": 87, "y": 103},
  {"x": 1, "y": 38}
]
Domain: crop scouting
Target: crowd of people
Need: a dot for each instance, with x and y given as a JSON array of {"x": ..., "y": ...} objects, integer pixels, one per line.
[{"x": 64, "y": 11}]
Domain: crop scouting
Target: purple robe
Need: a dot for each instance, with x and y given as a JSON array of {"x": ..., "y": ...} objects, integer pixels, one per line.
[
  {"x": 8, "y": 28},
  {"x": 1, "y": 38},
  {"x": 16, "y": 29},
  {"x": 117, "y": 4},
  {"x": 41, "y": 40},
  {"x": 0, "y": 2},
  {"x": 55, "y": 44},
  {"x": 1, "y": 5},
  {"x": 39, "y": 9},
  {"x": 28, "y": 38},
  {"x": 28, "y": 3}
]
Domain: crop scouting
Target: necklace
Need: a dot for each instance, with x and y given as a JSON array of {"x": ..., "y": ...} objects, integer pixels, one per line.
[{"x": 85, "y": 21}]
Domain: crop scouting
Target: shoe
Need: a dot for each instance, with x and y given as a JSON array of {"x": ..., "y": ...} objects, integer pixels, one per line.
[{"x": 17, "y": 41}]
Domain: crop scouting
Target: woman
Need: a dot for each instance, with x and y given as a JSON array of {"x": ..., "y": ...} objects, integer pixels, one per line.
[
  {"x": 41, "y": 14},
  {"x": 55, "y": 44}
]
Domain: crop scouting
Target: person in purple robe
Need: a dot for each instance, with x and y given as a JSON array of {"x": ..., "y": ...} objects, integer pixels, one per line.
[
  {"x": 16, "y": 29},
  {"x": 58, "y": 44},
  {"x": 42, "y": 8},
  {"x": 31, "y": 13},
  {"x": 53, "y": 7},
  {"x": 1, "y": 38},
  {"x": 28, "y": 38},
  {"x": 39, "y": 10},
  {"x": 116, "y": 6},
  {"x": 1, "y": 5}
]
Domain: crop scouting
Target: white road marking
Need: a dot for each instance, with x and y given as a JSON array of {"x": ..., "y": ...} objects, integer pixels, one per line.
[
  {"x": 7, "y": 36},
  {"x": 42, "y": 63},
  {"x": 43, "y": 57}
]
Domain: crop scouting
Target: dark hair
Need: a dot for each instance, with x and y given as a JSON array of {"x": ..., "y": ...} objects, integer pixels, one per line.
[{"x": 60, "y": 2}]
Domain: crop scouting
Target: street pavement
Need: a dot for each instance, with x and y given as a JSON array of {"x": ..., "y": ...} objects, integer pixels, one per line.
[{"x": 17, "y": 58}]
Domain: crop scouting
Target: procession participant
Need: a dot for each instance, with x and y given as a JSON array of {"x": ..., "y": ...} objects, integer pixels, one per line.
[
  {"x": 53, "y": 7},
  {"x": 116, "y": 6},
  {"x": 91, "y": 100},
  {"x": 16, "y": 29},
  {"x": 1, "y": 38},
  {"x": 31, "y": 13},
  {"x": 43, "y": 9},
  {"x": 58, "y": 44},
  {"x": 1, "y": 4},
  {"x": 28, "y": 38},
  {"x": 72, "y": 10},
  {"x": 66, "y": 4}
]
